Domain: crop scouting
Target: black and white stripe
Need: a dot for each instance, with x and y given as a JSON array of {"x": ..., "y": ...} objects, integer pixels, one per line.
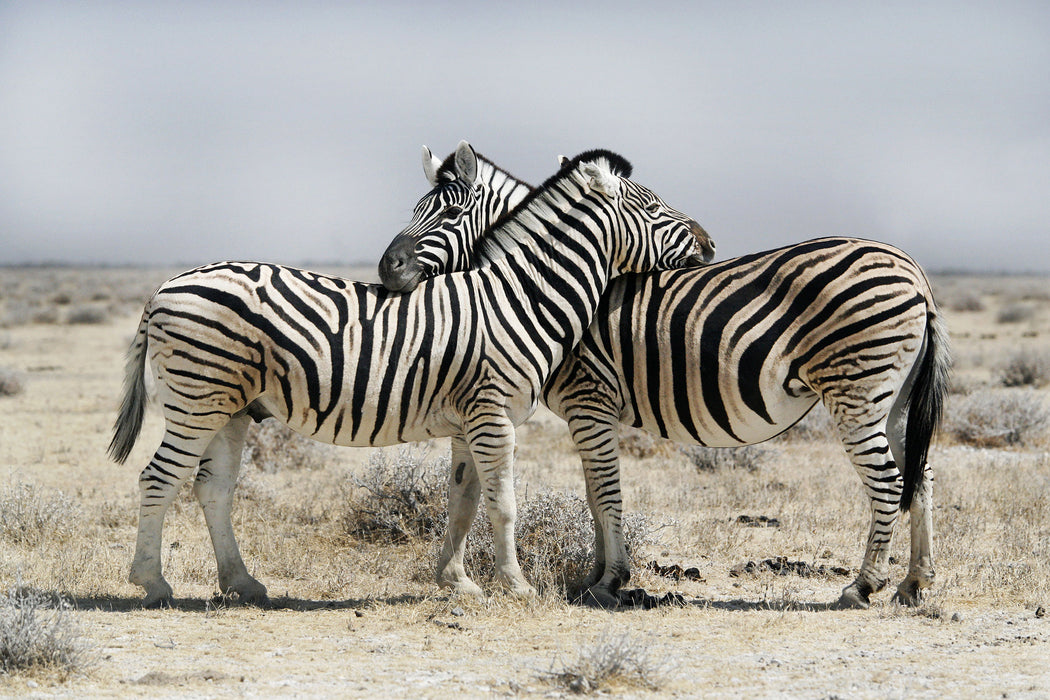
[
  {"x": 464, "y": 355},
  {"x": 737, "y": 352}
]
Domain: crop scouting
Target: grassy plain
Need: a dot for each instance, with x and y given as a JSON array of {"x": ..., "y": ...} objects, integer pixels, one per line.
[{"x": 359, "y": 616}]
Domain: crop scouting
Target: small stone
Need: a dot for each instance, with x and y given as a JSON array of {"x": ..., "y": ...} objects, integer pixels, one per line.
[
  {"x": 359, "y": 613},
  {"x": 580, "y": 685},
  {"x": 1040, "y": 611},
  {"x": 957, "y": 617},
  {"x": 457, "y": 611}
]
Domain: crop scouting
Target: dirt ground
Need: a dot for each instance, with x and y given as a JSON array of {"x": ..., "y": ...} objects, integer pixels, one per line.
[{"x": 362, "y": 620}]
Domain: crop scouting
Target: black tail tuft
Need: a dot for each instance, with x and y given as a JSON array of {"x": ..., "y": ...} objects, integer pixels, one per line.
[{"x": 925, "y": 405}]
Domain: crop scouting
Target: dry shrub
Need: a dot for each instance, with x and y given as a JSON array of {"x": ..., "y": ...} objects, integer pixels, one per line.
[
  {"x": 400, "y": 496},
  {"x": 11, "y": 382},
  {"x": 554, "y": 535},
  {"x": 272, "y": 446},
  {"x": 965, "y": 301},
  {"x": 1015, "y": 313},
  {"x": 38, "y": 633},
  {"x": 714, "y": 459},
  {"x": 642, "y": 445},
  {"x": 86, "y": 315},
  {"x": 998, "y": 418},
  {"x": 1026, "y": 368},
  {"x": 30, "y": 517},
  {"x": 613, "y": 662},
  {"x": 813, "y": 427}
]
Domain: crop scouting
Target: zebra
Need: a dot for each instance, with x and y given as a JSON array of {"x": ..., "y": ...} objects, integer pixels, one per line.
[
  {"x": 353, "y": 364},
  {"x": 736, "y": 353}
]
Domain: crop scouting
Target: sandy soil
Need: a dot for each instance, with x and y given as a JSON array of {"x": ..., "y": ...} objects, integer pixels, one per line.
[{"x": 385, "y": 634}]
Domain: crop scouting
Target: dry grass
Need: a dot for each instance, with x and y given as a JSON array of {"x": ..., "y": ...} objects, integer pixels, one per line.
[
  {"x": 40, "y": 637},
  {"x": 359, "y": 614},
  {"x": 31, "y": 517},
  {"x": 615, "y": 662}
]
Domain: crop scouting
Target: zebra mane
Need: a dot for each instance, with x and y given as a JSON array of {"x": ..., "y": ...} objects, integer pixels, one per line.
[
  {"x": 617, "y": 163},
  {"x": 487, "y": 241}
]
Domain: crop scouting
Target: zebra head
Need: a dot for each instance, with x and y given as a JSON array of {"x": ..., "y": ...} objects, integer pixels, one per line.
[
  {"x": 468, "y": 194},
  {"x": 659, "y": 236}
]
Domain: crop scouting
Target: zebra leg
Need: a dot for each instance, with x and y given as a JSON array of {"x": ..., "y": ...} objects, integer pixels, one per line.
[
  {"x": 214, "y": 487},
  {"x": 920, "y": 569},
  {"x": 596, "y": 436},
  {"x": 464, "y": 492},
  {"x": 172, "y": 464},
  {"x": 491, "y": 438},
  {"x": 870, "y": 454},
  {"x": 598, "y": 567}
]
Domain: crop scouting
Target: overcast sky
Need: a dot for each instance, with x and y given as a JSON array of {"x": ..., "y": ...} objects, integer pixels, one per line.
[{"x": 186, "y": 132}]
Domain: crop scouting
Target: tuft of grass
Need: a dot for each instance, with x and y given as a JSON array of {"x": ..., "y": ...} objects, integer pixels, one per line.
[
  {"x": 38, "y": 633},
  {"x": 11, "y": 382},
  {"x": 1026, "y": 367},
  {"x": 30, "y": 517},
  {"x": 998, "y": 418},
  {"x": 614, "y": 661},
  {"x": 400, "y": 496},
  {"x": 716, "y": 459}
]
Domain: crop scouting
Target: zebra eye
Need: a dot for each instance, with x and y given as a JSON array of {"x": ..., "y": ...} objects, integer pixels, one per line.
[
  {"x": 452, "y": 211},
  {"x": 652, "y": 207}
]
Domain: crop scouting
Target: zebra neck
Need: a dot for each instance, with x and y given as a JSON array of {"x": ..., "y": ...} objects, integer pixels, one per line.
[{"x": 549, "y": 264}]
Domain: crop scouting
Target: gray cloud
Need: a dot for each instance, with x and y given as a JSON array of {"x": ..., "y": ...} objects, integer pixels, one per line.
[{"x": 188, "y": 132}]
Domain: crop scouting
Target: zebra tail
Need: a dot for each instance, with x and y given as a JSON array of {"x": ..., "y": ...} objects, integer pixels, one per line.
[
  {"x": 926, "y": 404},
  {"x": 133, "y": 401}
]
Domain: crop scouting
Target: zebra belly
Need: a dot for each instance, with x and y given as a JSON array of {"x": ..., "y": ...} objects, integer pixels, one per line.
[
  {"x": 367, "y": 426},
  {"x": 746, "y": 428}
]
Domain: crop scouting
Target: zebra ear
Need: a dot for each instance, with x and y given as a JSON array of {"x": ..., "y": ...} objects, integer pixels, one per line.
[
  {"x": 602, "y": 179},
  {"x": 466, "y": 163},
  {"x": 431, "y": 163}
]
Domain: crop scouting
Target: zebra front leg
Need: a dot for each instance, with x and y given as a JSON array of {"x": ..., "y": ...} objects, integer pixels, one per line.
[
  {"x": 920, "y": 568},
  {"x": 491, "y": 438},
  {"x": 464, "y": 492},
  {"x": 597, "y": 440},
  {"x": 214, "y": 485},
  {"x": 172, "y": 464}
]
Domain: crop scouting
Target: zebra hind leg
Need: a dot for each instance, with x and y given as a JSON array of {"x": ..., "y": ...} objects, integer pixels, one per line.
[
  {"x": 920, "y": 569},
  {"x": 172, "y": 464},
  {"x": 213, "y": 487},
  {"x": 597, "y": 440},
  {"x": 869, "y": 451},
  {"x": 463, "y": 495}
]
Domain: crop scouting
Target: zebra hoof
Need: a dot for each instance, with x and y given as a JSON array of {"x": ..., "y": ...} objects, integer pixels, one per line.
[
  {"x": 463, "y": 587},
  {"x": 247, "y": 595},
  {"x": 908, "y": 594},
  {"x": 158, "y": 602},
  {"x": 853, "y": 598}
]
